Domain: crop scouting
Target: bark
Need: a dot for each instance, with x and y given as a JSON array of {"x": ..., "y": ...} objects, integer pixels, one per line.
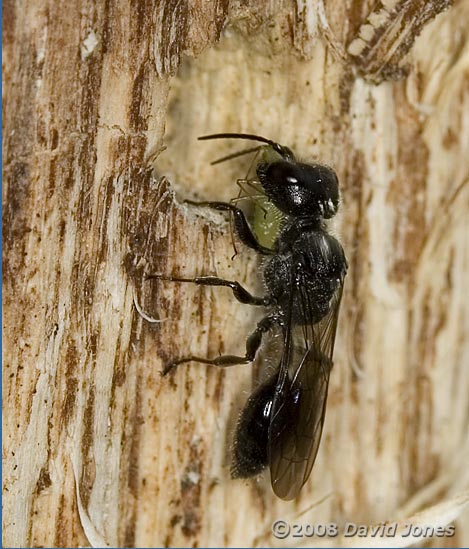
[{"x": 103, "y": 99}]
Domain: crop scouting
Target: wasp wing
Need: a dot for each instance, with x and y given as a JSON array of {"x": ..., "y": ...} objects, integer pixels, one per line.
[{"x": 299, "y": 405}]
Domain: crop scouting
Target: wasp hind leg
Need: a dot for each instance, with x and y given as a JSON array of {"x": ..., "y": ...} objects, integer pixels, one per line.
[{"x": 253, "y": 343}]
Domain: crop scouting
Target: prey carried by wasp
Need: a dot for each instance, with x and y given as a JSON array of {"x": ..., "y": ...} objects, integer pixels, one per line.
[{"x": 304, "y": 271}]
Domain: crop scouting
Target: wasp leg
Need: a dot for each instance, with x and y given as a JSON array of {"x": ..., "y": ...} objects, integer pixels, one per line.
[
  {"x": 241, "y": 226},
  {"x": 240, "y": 293},
  {"x": 253, "y": 343}
]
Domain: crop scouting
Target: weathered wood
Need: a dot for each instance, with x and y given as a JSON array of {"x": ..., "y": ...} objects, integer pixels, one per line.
[{"x": 98, "y": 448}]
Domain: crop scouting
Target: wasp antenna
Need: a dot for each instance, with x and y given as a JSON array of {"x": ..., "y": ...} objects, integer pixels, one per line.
[
  {"x": 284, "y": 152},
  {"x": 249, "y": 136},
  {"x": 235, "y": 155}
]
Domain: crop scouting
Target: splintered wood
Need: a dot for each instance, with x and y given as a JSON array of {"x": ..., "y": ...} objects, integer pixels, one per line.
[{"x": 103, "y": 103}]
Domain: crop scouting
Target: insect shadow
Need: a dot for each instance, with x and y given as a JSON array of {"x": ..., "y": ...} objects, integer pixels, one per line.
[{"x": 282, "y": 421}]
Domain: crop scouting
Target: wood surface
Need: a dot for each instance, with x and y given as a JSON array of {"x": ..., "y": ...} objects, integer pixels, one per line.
[{"x": 102, "y": 105}]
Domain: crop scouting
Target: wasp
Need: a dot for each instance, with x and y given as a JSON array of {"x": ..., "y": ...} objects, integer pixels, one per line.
[{"x": 304, "y": 270}]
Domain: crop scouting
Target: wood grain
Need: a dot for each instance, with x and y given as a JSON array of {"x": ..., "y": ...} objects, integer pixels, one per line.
[{"x": 103, "y": 102}]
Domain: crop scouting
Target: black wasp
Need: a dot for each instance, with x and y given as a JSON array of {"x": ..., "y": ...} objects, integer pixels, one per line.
[{"x": 304, "y": 272}]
